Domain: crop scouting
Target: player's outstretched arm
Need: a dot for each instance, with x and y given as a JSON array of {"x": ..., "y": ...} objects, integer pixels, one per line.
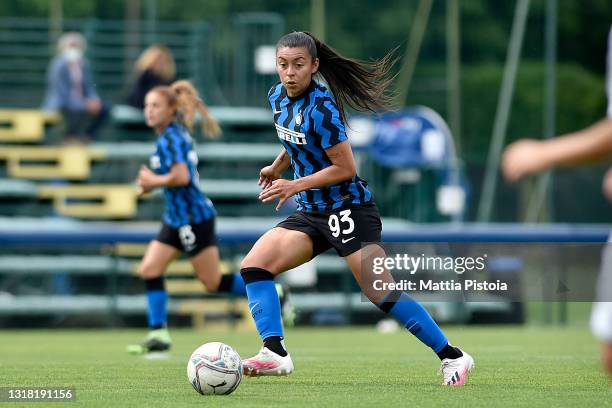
[
  {"x": 528, "y": 156},
  {"x": 148, "y": 180}
]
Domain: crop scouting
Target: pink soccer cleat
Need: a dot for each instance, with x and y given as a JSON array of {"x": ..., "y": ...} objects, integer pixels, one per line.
[
  {"x": 455, "y": 371},
  {"x": 267, "y": 362}
]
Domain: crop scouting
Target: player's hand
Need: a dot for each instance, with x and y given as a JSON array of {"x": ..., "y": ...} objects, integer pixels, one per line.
[
  {"x": 146, "y": 179},
  {"x": 267, "y": 175},
  {"x": 281, "y": 189},
  {"x": 523, "y": 158}
]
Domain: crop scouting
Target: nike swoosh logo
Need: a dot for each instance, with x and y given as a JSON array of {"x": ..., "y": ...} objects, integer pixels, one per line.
[
  {"x": 344, "y": 241},
  {"x": 277, "y": 112}
]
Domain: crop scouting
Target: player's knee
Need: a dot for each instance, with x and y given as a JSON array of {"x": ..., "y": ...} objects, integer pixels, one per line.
[
  {"x": 251, "y": 262},
  {"x": 148, "y": 271},
  {"x": 245, "y": 263}
]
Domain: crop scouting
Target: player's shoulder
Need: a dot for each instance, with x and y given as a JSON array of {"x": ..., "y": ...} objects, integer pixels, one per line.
[
  {"x": 275, "y": 90},
  {"x": 174, "y": 133},
  {"x": 323, "y": 98}
]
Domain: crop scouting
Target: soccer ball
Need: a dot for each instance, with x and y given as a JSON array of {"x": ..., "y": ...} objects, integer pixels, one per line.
[{"x": 214, "y": 368}]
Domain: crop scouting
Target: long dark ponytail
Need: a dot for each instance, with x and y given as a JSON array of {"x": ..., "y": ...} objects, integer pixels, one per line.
[{"x": 361, "y": 85}]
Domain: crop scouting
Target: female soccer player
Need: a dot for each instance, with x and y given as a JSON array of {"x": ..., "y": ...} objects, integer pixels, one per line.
[
  {"x": 335, "y": 207},
  {"x": 189, "y": 219}
]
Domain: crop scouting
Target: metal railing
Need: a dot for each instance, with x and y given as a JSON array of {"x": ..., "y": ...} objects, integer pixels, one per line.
[{"x": 219, "y": 58}]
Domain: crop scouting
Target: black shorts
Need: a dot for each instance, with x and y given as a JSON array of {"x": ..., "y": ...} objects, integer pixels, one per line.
[
  {"x": 343, "y": 229},
  {"x": 190, "y": 238}
]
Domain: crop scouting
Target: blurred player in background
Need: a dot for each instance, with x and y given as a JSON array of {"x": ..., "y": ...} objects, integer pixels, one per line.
[
  {"x": 188, "y": 224},
  {"x": 526, "y": 157},
  {"x": 335, "y": 207}
]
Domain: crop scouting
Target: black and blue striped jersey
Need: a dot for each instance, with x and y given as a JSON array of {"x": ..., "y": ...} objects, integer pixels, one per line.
[
  {"x": 307, "y": 125},
  {"x": 185, "y": 204}
]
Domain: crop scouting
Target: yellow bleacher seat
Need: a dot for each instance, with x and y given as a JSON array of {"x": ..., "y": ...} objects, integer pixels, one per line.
[
  {"x": 185, "y": 286},
  {"x": 115, "y": 201},
  {"x": 68, "y": 162},
  {"x": 129, "y": 249},
  {"x": 25, "y": 125},
  {"x": 197, "y": 309}
]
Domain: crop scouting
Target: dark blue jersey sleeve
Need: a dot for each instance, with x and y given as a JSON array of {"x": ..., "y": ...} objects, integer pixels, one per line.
[
  {"x": 173, "y": 147},
  {"x": 273, "y": 93},
  {"x": 272, "y": 90},
  {"x": 328, "y": 123}
]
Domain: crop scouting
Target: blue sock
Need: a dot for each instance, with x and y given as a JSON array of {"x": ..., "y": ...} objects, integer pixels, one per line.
[
  {"x": 238, "y": 287},
  {"x": 157, "y": 300},
  {"x": 416, "y": 319},
  {"x": 263, "y": 302},
  {"x": 232, "y": 283},
  {"x": 158, "y": 315}
]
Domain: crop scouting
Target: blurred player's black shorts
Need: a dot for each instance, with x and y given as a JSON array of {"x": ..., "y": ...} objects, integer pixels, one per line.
[{"x": 190, "y": 238}]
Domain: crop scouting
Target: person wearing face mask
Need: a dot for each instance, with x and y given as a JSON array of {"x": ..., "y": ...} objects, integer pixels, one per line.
[{"x": 71, "y": 90}]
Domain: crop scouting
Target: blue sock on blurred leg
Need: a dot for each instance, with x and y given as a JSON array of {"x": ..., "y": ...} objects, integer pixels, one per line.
[{"x": 157, "y": 301}]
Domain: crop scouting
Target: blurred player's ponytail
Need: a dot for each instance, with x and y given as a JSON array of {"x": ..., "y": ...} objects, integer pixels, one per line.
[
  {"x": 358, "y": 84},
  {"x": 188, "y": 101}
]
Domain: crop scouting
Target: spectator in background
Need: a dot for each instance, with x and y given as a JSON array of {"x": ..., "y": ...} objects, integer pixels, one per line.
[
  {"x": 71, "y": 90},
  {"x": 154, "y": 67}
]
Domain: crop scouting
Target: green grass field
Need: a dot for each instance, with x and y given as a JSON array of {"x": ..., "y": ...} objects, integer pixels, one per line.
[{"x": 515, "y": 366}]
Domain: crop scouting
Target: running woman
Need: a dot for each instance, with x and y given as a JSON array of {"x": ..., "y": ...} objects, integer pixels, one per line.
[
  {"x": 335, "y": 207},
  {"x": 188, "y": 224}
]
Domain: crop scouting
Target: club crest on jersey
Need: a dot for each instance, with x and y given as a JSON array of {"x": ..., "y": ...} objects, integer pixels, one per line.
[
  {"x": 290, "y": 135},
  {"x": 298, "y": 119}
]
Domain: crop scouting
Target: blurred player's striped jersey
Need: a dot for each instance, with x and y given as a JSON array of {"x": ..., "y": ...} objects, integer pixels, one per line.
[
  {"x": 307, "y": 125},
  {"x": 187, "y": 204}
]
